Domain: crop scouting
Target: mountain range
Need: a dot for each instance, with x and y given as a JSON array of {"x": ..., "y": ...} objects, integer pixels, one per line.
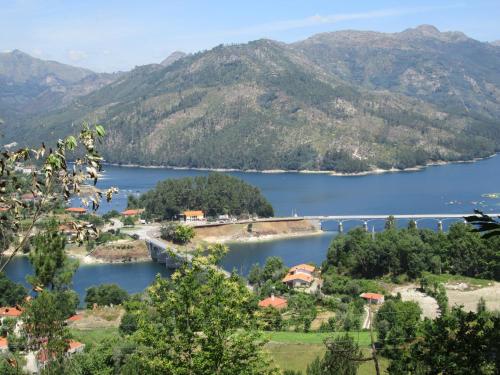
[{"x": 348, "y": 101}]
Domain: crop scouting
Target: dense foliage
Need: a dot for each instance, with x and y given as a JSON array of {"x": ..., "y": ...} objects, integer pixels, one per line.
[
  {"x": 177, "y": 233},
  {"x": 343, "y": 356},
  {"x": 409, "y": 251},
  {"x": 199, "y": 322},
  {"x": 11, "y": 293},
  {"x": 105, "y": 295},
  {"x": 215, "y": 194},
  {"x": 456, "y": 343}
]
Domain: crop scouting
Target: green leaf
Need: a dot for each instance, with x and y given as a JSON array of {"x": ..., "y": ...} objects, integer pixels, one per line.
[
  {"x": 99, "y": 129},
  {"x": 71, "y": 142}
]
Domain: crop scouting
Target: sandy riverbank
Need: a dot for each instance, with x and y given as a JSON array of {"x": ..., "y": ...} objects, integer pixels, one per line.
[
  {"x": 256, "y": 231},
  {"x": 305, "y": 171}
]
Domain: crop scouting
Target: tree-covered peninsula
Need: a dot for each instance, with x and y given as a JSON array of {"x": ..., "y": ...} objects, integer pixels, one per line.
[{"x": 215, "y": 194}]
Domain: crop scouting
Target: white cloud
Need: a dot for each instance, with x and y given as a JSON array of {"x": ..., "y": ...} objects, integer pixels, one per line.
[
  {"x": 317, "y": 20},
  {"x": 75, "y": 55}
]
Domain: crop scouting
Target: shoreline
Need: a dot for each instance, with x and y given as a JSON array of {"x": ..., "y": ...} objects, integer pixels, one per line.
[
  {"x": 265, "y": 238},
  {"x": 305, "y": 171}
]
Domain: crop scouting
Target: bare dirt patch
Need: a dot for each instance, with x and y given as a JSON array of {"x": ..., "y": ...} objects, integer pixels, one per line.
[
  {"x": 101, "y": 317},
  {"x": 428, "y": 304},
  {"x": 321, "y": 318},
  {"x": 122, "y": 251},
  {"x": 255, "y": 231},
  {"x": 461, "y": 296}
]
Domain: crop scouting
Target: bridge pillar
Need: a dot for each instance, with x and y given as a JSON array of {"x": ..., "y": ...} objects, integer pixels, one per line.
[
  {"x": 341, "y": 227},
  {"x": 365, "y": 226},
  {"x": 440, "y": 225}
]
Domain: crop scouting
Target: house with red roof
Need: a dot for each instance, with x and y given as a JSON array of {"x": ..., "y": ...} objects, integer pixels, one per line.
[
  {"x": 193, "y": 215},
  {"x": 76, "y": 210},
  {"x": 10, "y": 312},
  {"x": 275, "y": 302},
  {"x": 4, "y": 345},
  {"x": 373, "y": 298},
  {"x": 301, "y": 275},
  {"x": 133, "y": 212}
]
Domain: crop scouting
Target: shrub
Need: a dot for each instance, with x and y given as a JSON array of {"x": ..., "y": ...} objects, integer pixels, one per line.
[{"x": 105, "y": 295}]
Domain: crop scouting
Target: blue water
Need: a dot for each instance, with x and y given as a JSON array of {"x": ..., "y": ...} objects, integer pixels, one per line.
[{"x": 452, "y": 188}]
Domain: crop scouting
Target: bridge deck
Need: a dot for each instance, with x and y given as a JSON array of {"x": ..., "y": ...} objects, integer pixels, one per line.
[{"x": 397, "y": 216}]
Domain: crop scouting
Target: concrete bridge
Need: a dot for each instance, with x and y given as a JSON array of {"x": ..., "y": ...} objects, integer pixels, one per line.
[
  {"x": 172, "y": 257},
  {"x": 365, "y": 219}
]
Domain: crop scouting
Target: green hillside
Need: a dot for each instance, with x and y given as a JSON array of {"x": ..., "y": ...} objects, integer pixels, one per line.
[{"x": 310, "y": 105}]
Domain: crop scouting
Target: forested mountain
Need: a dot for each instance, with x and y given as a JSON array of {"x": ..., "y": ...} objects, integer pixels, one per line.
[
  {"x": 347, "y": 101},
  {"x": 33, "y": 86}
]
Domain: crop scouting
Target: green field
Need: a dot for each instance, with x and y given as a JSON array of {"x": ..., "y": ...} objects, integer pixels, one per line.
[
  {"x": 289, "y": 350},
  {"x": 94, "y": 336},
  {"x": 362, "y": 338},
  {"x": 295, "y": 350}
]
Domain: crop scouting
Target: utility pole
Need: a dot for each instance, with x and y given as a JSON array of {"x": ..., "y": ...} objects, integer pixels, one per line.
[{"x": 374, "y": 350}]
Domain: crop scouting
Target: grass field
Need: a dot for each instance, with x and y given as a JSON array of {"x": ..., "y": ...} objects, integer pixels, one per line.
[
  {"x": 93, "y": 336},
  {"x": 362, "y": 338},
  {"x": 296, "y": 356},
  {"x": 295, "y": 350},
  {"x": 289, "y": 350}
]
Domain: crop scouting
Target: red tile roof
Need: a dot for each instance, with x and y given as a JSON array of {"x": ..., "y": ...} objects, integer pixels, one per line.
[
  {"x": 305, "y": 267},
  {"x": 10, "y": 311},
  {"x": 193, "y": 213},
  {"x": 276, "y": 302},
  {"x": 4, "y": 344},
  {"x": 75, "y": 318},
  {"x": 374, "y": 296},
  {"x": 79, "y": 210},
  {"x": 74, "y": 345},
  {"x": 298, "y": 276},
  {"x": 133, "y": 212}
]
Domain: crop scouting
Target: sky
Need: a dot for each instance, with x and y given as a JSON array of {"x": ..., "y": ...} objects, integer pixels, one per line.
[{"x": 112, "y": 35}]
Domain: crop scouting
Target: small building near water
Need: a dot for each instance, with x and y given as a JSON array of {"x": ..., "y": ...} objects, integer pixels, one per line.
[
  {"x": 193, "y": 215},
  {"x": 76, "y": 210},
  {"x": 133, "y": 212},
  {"x": 300, "y": 276}
]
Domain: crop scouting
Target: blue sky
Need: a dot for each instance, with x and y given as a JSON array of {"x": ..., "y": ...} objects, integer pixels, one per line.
[{"x": 118, "y": 35}]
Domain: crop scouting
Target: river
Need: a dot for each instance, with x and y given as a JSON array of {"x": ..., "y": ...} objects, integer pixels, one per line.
[{"x": 451, "y": 188}]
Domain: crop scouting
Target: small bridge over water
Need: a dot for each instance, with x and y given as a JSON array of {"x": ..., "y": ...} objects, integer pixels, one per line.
[{"x": 365, "y": 219}]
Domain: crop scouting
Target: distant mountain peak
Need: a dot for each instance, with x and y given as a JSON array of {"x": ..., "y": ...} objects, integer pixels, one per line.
[
  {"x": 428, "y": 29},
  {"x": 173, "y": 57}
]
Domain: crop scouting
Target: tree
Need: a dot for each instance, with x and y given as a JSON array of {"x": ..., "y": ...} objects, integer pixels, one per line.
[
  {"x": 128, "y": 221},
  {"x": 52, "y": 268},
  {"x": 53, "y": 181},
  {"x": 390, "y": 223},
  {"x": 11, "y": 293},
  {"x": 105, "y": 295},
  {"x": 200, "y": 323},
  {"x": 44, "y": 328},
  {"x": 397, "y": 322},
  {"x": 302, "y": 310},
  {"x": 177, "y": 233},
  {"x": 456, "y": 343},
  {"x": 342, "y": 357},
  {"x": 183, "y": 234},
  {"x": 255, "y": 275}
]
